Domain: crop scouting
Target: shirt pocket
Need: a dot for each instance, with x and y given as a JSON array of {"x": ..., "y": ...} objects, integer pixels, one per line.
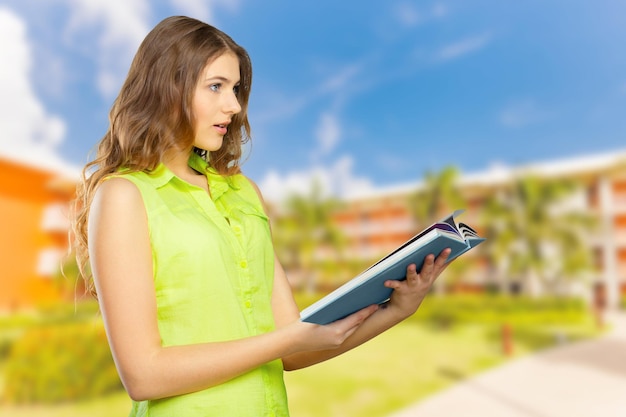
[{"x": 252, "y": 228}]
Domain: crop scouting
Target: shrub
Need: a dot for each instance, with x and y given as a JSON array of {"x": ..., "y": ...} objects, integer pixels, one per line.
[
  {"x": 57, "y": 363},
  {"x": 64, "y": 312},
  {"x": 494, "y": 309},
  {"x": 5, "y": 346},
  {"x": 448, "y": 310}
]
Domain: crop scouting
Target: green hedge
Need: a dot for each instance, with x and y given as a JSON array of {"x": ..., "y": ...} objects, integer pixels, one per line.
[
  {"x": 490, "y": 308},
  {"x": 61, "y": 362},
  {"x": 13, "y": 326},
  {"x": 498, "y": 309}
]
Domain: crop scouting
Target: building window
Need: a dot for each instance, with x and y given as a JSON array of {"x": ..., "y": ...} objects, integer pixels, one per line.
[
  {"x": 49, "y": 262},
  {"x": 55, "y": 218}
]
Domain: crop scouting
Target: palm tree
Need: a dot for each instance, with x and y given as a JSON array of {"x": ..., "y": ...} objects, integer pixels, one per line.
[
  {"x": 304, "y": 229},
  {"x": 532, "y": 238},
  {"x": 438, "y": 197}
]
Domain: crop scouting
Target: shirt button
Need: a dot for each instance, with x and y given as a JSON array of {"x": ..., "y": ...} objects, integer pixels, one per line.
[
  {"x": 248, "y": 304},
  {"x": 243, "y": 264}
]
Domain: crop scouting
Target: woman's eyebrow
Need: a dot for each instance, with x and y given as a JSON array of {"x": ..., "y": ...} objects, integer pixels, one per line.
[{"x": 219, "y": 78}]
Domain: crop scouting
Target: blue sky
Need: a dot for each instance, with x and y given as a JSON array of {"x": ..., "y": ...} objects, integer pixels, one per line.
[{"x": 361, "y": 93}]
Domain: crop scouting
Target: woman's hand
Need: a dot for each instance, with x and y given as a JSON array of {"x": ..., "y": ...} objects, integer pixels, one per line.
[
  {"x": 313, "y": 343},
  {"x": 405, "y": 299},
  {"x": 315, "y": 337},
  {"x": 408, "y": 294}
]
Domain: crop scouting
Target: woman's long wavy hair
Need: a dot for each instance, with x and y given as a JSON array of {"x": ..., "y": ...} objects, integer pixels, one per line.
[{"x": 152, "y": 113}]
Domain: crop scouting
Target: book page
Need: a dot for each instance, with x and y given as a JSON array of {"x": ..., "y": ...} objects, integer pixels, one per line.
[
  {"x": 466, "y": 231},
  {"x": 444, "y": 227}
]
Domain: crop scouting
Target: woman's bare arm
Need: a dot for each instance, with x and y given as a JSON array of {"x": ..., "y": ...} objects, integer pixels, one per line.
[
  {"x": 405, "y": 300},
  {"x": 121, "y": 261}
]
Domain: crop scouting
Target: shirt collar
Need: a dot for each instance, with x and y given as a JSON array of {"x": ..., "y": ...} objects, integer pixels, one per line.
[
  {"x": 218, "y": 184},
  {"x": 161, "y": 175}
]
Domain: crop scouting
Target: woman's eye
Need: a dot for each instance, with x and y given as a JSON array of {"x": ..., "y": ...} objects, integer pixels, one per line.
[
  {"x": 236, "y": 90},
  {"x": 215, "y": 87}
]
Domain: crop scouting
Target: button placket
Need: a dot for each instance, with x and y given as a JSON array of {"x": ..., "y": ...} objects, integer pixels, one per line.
[{"x": 232, "y": 226}]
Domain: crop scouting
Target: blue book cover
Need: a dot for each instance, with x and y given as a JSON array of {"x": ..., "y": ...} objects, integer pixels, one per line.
[{"x": 368, "y": 287}]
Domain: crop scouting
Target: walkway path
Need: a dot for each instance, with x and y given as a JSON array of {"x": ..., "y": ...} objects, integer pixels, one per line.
[{"x": 584, "y": 379}]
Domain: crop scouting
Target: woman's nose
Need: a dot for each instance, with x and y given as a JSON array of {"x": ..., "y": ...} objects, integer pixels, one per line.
[{"x": 231, "y": 104}]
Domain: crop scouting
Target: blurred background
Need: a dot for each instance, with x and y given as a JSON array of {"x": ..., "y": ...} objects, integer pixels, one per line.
[{"x": 370, "y": 121}]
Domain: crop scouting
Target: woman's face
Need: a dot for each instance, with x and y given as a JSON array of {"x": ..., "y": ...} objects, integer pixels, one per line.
[{"x": 215, "y": 101}]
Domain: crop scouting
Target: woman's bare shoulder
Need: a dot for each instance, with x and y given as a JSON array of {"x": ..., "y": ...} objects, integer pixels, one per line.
[{"x": 118, "y": 194}]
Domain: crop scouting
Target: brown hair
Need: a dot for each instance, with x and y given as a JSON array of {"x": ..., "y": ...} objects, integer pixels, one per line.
[{"x": 152, "y": 113}]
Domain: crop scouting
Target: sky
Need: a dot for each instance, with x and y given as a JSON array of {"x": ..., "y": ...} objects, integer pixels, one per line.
[{"x": 359, "y": 94}]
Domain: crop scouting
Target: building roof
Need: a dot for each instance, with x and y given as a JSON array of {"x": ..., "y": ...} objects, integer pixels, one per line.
[
  {"x": 41, "y": 159},
  {"x": 499, "y": 173}
]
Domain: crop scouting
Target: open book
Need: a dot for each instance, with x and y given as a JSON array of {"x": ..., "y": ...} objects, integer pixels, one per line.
[{"x": 368, "y": 288}]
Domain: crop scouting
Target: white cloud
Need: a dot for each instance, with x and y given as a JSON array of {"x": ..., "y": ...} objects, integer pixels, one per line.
[
  {"x": 122, "y": 24},
  {"x": 28, "y": 130},
  {"x": 58, "y": 71},
  {"x": 337, "y": 180},
  {"x": 408, "y": 15},
  {"x": 463, "y": 47},
  {"x": 439, "y": 10},
  {"x": 342, "y": 78},
  {"x": 203, "y": 9},
  {"x": 337, "y": 87},
  {"x": 395, "y": 163},
  {"x": 328, "y": 133},
  {"x": 522, "y": 113}
]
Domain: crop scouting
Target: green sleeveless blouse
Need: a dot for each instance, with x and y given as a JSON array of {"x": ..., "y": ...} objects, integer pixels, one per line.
[{"x": 213, "y": 265}]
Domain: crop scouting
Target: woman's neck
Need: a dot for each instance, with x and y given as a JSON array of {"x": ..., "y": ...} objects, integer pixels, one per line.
[{"x": 178, "y": 163}]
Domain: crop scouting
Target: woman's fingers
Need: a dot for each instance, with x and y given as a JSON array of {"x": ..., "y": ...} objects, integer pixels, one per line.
[
  {"x": 337, "y": 332},
  {"x": 408, "y": 294},
  {"x": 354, "y": 320},
  {"x": 431, "y": 268}
]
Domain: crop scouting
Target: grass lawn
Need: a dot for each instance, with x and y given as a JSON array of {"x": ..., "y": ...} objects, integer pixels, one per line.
[
  {"x": 406, "y": 364},
  {"x": 115, "y": 405}
]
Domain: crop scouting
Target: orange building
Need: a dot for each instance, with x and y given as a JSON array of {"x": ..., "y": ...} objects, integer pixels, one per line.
[
  {"x": 381, "y": 220},
  {"x": 34, "y": 202}
]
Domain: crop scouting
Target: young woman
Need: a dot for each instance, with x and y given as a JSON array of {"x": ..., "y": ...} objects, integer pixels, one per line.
[{"x": 176, "y": 244}]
